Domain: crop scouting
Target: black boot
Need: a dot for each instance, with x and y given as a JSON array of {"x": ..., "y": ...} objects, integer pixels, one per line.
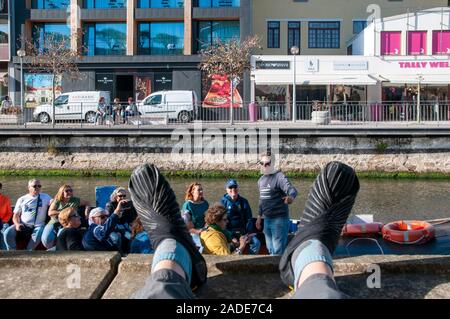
[
  {"x": 159, "y": 212},
  {"x": 329, "y": 203}
]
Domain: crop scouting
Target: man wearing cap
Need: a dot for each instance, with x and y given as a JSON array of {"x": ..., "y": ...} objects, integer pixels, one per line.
[
  {"x": 275, "y": 194},
  {"x": 100, "y": 235},
  {"x": 240, "y": 215}
]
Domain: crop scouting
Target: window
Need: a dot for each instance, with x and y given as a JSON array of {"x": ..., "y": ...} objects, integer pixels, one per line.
[
  {"x": 417, "y": 42},
  {"x": 154, "y": 100},
  {"x": 62, "y": 99},
  {"x": 105, "y": 4},
  {"x": 441, "y": 42},
  {"x": 211, "y": 32},
  {"x": 4, "y": 32},
  {"x": 358, "y": 26},
  {"x": 273, "y": 34},
  {"x": 218, "y": 3},
  {"x": 105, "y": 38},
  {"x": 160, "y": 3},
  {"x": 50, "y": 4},
  {"x": 159, "y": 38},
  {"x": 293, "y": 35},
  {"x": 324, "y": 35},
  {"x": 391, "y": 42},
  {"x": 42, "y": 31}
]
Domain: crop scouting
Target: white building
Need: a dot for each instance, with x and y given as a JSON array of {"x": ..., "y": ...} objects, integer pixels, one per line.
[{"x": 391, "y": 59}]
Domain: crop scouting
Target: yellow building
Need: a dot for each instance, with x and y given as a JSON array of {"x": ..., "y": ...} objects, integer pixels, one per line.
[{"x": 322, "y": 27}]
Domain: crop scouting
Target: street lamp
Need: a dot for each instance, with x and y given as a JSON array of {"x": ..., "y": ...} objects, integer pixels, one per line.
[
  {"x": 21, "y": 53},
  {"x": 294, "y": 51}
]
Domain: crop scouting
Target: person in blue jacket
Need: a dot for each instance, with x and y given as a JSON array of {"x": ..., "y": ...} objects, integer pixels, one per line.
[
  {"x": 240, "y": 215},
  {"x": 140, "y": 242},
  {"x": 100, "y": 235}
]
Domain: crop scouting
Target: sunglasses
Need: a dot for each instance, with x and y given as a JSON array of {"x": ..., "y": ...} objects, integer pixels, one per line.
[
  {"x": 74, "y": 216},
  {"x": 265, "y": 164},
  {"x": 121, "y": 196},
  {"x": 102, "y": 216},
  {"x": 69, "y": 191},
  {"x": 36, "y": 186},
  {"x": 225, "y": 219}
]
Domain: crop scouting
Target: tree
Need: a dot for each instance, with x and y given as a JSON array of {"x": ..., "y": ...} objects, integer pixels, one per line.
[
  {"x": 57, "y": 59},
  {"x": 230, "y": 59}
]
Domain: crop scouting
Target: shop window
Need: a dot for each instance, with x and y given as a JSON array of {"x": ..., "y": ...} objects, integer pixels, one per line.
[
  {"x": 293, "y": 35},
  {"x": 391, "y": 42},
  {"x": 273, "y": 34},
  {"x": 417, "y": 42},
  {"x": 324, "y": 35},
  {"x": 441, "y": 42}
]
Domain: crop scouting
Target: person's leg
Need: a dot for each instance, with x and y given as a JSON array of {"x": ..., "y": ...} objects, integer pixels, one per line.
[
  {"x": 280, "y": 230},
  {"x": 35, "y": 238},
  {"x": 159, "y": 212},
  {"x": 10, "y": 237},
  {"x": 48, "y": 237},
  {"x": 254, "y": 246},
  {"x": 170, "y": 275},
  {"x": 307, "y": 261},
  {"x": 268, "y": 234}
]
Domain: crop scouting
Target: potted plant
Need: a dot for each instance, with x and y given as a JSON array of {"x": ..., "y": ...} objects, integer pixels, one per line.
[
  {"x": 320, "y": 112},
  {"x": 10, "y": 115}
]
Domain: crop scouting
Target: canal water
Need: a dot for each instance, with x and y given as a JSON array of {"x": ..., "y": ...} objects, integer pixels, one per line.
[{"x": 387, "y": 200}]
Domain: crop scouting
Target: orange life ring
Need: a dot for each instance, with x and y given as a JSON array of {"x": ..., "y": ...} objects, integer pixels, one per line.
[
  {"x": 356, "y": 230},
  {"x": 408, "y": 232}
]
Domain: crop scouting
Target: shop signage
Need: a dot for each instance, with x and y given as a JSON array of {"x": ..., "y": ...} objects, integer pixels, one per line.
[
  {"x": 312, "y": 65},
  {"x": 424, "y": 65},
  {"x": 281, "y": 65},
  {"x": 350, "y": 65},
  {"x": 104, "y": 80}
]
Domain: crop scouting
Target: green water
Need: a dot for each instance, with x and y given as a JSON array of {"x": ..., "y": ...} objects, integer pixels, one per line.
[{"x": 386, "y": 199}]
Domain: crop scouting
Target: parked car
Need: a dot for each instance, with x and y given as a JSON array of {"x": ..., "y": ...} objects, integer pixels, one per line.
[
  {"x": 176, "y": 105},
  {"x": 74, "y": 106}
]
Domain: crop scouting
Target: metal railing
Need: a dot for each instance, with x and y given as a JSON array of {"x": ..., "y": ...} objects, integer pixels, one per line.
[{"x": 87, "y": 115}]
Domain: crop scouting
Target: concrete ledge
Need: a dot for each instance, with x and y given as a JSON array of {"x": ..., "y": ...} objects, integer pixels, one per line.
[
  {"x": 248, "y": 277},
  {"x": 50, "y": 275}
]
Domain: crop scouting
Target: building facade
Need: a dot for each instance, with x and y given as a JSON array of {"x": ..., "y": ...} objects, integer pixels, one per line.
[
  {"x": 4, "y": 47},
  {"x": 130, "y": 47}
]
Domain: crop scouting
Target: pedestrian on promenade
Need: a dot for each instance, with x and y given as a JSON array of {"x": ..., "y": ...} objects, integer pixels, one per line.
[
  {"x": 6, "y": 105},
  {"x": 63, "y": 199},
  {"x": 100, "y": 235},
  {"x": 101, "y": 112},
  {"x": 29, "y": 217},
  {"x": 240, "y": 217},
  {"x": 71, "y": 235},
  {"x": 194, "y": 208},
  {"x": 275, "y": 194},
  {"x": 131, "y": 109},
  {"x": 216, "y": 239},
  {"x": 178, "y": 268},
  {"x": 116, "y": 110},
  {"x": 5, "y": 216}
]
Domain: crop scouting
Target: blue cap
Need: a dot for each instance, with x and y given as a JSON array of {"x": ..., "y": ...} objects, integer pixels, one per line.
[{"x": 231, "y": 183}]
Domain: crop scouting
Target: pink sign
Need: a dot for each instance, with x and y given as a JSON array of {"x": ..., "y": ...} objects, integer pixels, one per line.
[
  {"x": 391, "y": 42},
  {"x": 417, "y": 42},
  {"x": 424, "y": 64},
  {"x": 441, "y": 42}
]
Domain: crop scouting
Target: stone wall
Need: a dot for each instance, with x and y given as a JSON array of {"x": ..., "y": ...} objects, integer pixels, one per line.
[{"x": 300, "y": 154}]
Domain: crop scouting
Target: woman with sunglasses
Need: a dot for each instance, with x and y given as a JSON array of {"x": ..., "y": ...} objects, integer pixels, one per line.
[
  {"x": 63, "y": 199},
  {"x": 71, "y": 236},
  {"x": 216, "y": 239},
  {"x": 119, "y": 202}
]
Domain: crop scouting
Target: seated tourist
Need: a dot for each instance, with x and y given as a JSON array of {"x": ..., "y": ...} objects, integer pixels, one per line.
[
  {"x": 71, "y": 235},
  {"x": 140, "y": 242},
  {"x": 194, "y": 208},
  {"x": 216, "y": 239},
  {"x": 100, "y": 235}
]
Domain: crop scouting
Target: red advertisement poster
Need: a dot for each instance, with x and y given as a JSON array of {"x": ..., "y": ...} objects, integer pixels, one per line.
[{"x": 219, "y": 93}]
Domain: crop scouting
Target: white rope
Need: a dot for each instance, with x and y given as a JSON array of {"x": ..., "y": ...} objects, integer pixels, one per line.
[{"x": 372, "y": 239}]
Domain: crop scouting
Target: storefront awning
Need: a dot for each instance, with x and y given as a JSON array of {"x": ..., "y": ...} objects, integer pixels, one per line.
[
  {"x": 414, "y": 79},
  {"x": 360, "y": 79}
]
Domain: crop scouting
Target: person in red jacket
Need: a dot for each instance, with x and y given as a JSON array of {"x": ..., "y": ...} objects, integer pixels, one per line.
[{"x": 5, "y": 215}]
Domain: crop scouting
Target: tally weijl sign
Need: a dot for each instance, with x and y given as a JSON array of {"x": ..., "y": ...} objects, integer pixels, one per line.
[{"x": 424, "y": 65}]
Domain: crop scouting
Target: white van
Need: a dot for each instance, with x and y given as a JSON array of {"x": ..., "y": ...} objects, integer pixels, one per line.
[
  {"x": 176, "y": 105},
  {"x": 80, "y": 105}
]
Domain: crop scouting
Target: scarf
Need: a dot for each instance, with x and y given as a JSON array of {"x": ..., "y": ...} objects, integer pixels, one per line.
[{"x": 225, "y": 232}]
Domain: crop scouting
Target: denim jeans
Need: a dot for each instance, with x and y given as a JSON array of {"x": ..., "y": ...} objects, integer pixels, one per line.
[
  {"x": 10, "y": 237},
  {"x": 276, "y": 232},
  {"x": 3, "y": 228},
  {"x": 49, "y": 235},
  {"x": 254, "y": 246}
]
